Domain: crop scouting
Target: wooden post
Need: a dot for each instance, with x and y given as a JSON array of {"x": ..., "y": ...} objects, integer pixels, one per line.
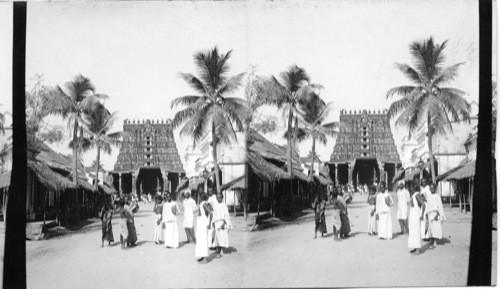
[
  {"x": 449, "y": 185},
  {"x": 120, "y": 184},
  {"x": 234, "y": 202}
]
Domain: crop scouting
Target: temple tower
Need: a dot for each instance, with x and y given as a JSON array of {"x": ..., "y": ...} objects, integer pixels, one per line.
[
  {"x": 364, "y": 152},
  {"x": 148, "y": 160}
]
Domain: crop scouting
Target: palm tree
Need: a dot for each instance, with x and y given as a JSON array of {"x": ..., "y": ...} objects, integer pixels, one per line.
[
  {"x": 286, "y": 94},
  {"x": 212, "y": 108},
  {"x": 427, "y": 101},
  {"x": 78, "y": 100},
  {"x": 99, "y": 123}
]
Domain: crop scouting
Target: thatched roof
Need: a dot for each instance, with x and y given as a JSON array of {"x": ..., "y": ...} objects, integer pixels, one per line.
[
  {"x": 264, "y": 169},
  {"x": 446, "y": 174},
  {"x": 238, "y": 183},
  {"x": 259, "y": 144},
  {"x": 467, "y": 171},
  {"x": 324, "y": 181},
  {"x": 106, "y": 189},
  {"x": 298, "y": 174},
  {"x": 5, "y": 180},
  {"x": 50, "y": 179},
  {"x": 85, "y": 185}
]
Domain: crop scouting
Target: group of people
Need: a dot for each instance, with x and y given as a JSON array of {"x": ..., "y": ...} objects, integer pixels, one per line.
[
  {"x": 341, "y": 225},
  {"x": 419, "y": 214},
  {"x": 128, "y": 234}
]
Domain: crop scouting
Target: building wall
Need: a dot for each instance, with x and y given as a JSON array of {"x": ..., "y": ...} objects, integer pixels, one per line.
[{"x": 6, "y": 143}]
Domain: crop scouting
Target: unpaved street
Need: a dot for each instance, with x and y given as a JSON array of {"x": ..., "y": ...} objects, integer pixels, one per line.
[{"x": 285, "y": 256}]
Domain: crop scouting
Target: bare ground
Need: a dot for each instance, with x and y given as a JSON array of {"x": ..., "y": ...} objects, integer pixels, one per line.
[{"x": 285, "y": 256}]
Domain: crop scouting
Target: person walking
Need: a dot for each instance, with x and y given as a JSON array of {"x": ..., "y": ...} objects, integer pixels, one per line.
[
  {"x": 345, "y": 227},
  {"x": 372, "y": 217},
  {"x": 170, "y": 210},
  {"x": 417, "y": 210},
  {"x": 221, "y": 223},
  {"x": 383, "y": 203},
  {"x": 107, "y": 229},
  {"x": 132, "y": 233},
  {"x": 435, "y": 215},
  {"x": 189, "y": 208},
  {"x": 403, "y": 201},
  {"x": 159, "y": 223},
  {"x": 202, "y": 225},
  {"x": 123, "y": 224},
  {"x": 337, "y": 222},
  {"x": 319, "y": 207}
]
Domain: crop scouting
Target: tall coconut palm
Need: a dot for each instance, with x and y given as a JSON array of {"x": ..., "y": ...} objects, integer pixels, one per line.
[
  {"x": 98, "y": 126},
  {"x": 77, "y": 99},
  {"x": 211, "y": 110},
  {"x": 426, "y": 101},
  {"x": 286, "y": 93}
]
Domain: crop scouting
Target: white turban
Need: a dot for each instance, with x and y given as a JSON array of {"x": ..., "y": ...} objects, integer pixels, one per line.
[{"x": 401, "y": 182}]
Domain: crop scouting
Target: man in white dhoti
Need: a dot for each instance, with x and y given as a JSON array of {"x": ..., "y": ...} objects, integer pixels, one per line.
[
  {"x": 221, "y": 223},
  {"x": 170, "y": 210},
  {"x": 435, "y": 215},
  {"x": 417, "y": 209},
  {"x": 382, "y": 207},
  {"x": 424, "y": 225},
  {"x": 403, "y": 201},
  {"x": 188, "y": 224},
  {"x": 203, "y": 223}
]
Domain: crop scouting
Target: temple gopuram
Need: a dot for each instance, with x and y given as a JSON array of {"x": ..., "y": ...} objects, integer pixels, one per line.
[
  {"x": 148, "y": 160},
  {"x": 364, "y": 152}
]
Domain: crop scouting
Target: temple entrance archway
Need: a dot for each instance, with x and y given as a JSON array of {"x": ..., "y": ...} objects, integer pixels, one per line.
[
  {"x": 149, "y": 181},
  {"x": 365, "y": 171}
]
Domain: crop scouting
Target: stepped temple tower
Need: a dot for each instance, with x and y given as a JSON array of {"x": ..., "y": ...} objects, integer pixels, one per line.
[
  {"x": 148, "y": 159},
  {"x": 365, "y": 151}
]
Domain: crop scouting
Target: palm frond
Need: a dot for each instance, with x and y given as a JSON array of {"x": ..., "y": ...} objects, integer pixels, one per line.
[
  {"x": 79, "y": 88},
  {"x": 185, "y": 100},
  {"x": 194, "y": 82},
  {"x": 59, "y": 103},
  {"x": 409, "y": 72},
  {"x": 294, "y": 78},
  {"x": 400, "y": 90},
  {"x": 454, "y": 103},
  {"x": 449, "y": 74},
  {"x": 185, "y": 114},
  {"x": 273, "y": 93},
  {"x": 232, "y": 85}
]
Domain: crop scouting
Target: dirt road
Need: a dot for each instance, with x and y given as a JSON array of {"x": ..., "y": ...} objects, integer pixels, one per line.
[{"x": 285, "y": 256}]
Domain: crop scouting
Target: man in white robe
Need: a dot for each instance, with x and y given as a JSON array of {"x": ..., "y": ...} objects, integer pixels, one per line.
[
  {"x": 424, "y": 225},
  {"x": 212, "y": 200},
  {"x": 221, "y": 223},
  {"x": 382, "y": 207},
  {"x": 170, "y": 210},
  {"x": 188, "y": 224},
  {"x": 435, "y": 215},
  {"x": 403, "y": 201}
]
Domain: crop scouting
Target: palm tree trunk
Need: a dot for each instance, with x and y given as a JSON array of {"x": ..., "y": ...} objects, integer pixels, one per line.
[
  {"x": 214, "y": 155},
  {"x": 97, "y": 169},
  {"x": 311, "y": 175},
  {"x": 75, "y": 152},
  {"x": 289, "y": 151},
  {"x": 431, "y": 154}
]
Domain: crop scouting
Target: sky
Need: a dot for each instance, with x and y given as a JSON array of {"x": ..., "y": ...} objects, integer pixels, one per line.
[{"x": 134, "y": 51}]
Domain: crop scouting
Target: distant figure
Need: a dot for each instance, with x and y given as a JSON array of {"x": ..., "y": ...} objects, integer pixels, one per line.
[
  {"x": 189, "y": 210},
  {"x": 134, "y": 204},
  {"x": 417, "y": 209},
  {"x": 107, "y": 229},
  {"x": 202, "y": 225},
  {"x": 221, "y": 223},
  {"x": 319, "y": 206},
  {"x": 337, "y": 222},
  {"x": 170, "y": 210},
  {"x": 435, "y": 215},
  {"x": 159, "y": 223},
  {"x": 372, "y": 218},
  {"x": 345, "y": 229},
  {"x": 123, "y": 224},
  {"x": 403, "y": 201},
  {"x": 424, "y": 225},
  {"x": 383, "y": 203}
]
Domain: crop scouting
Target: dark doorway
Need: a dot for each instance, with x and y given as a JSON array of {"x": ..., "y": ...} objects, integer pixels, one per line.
[
  {"x": 390, "y": 169},
  {"x": 148, "y": 181},
  {"x": 365, "y": 171},
  {"x": 343, "y": 171}
]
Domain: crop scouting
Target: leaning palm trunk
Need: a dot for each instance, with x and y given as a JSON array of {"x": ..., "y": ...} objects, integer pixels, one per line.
[
  {"x": 311, "y": 176},
  {"x": 431, "y": 154},
  {"x": 97, "y": 169},
  {"x": 289, "y": 153},
  {"x": 214, "y": 155}
]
